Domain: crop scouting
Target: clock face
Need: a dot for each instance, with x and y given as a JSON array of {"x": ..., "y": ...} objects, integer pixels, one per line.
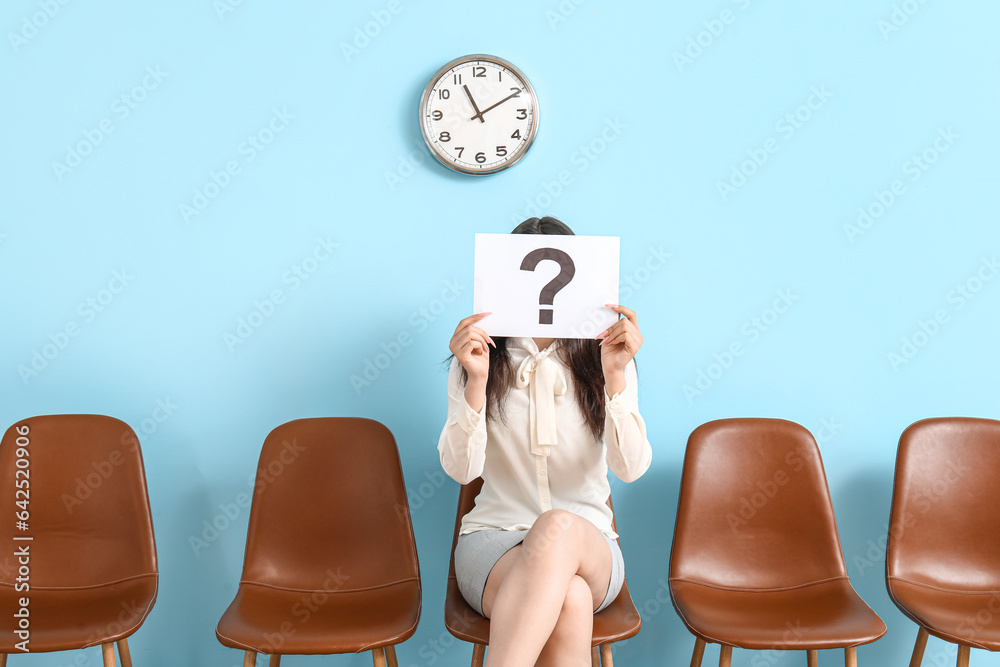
[{"x": 478, "y": 114}]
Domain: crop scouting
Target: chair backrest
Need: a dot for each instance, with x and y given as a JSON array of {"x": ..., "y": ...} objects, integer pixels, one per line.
[
  {"x": 944, "y": 528},
  {"x": 754, "y": 509},
  {"x": 80, "y": 482},
  {"x": 329, "y": 508}
]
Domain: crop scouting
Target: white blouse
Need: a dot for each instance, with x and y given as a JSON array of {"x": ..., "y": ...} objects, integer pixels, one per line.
[{"x": 541, "y": 456}]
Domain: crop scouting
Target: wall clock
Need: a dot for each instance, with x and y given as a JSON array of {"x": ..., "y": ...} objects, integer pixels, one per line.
[{"x": 479, "y": 114}]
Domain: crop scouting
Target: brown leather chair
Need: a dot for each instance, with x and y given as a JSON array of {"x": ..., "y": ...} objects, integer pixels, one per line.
[
  {"x": 756, "y": 560},
  {"x": 617, "y": 622},
  {"x": 85, "y": 549},
  {"x": 943, "y": 553},
  {"x": 331, "y": 564}
]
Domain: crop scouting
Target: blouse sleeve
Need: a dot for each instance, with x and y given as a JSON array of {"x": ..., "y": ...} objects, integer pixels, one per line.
[
  {"x": 628, "y": 450},
  {"x": 462, "y": 444}
]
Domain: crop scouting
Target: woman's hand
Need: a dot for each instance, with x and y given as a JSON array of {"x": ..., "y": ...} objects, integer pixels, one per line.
[
  {"x": 469, "y": 345},
  {"x": 619, "y": 343}
]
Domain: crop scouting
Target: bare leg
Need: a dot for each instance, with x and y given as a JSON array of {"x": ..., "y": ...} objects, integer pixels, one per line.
[
  {"x": 569, "y": 643},
  {"x": 528, "y": 587}
]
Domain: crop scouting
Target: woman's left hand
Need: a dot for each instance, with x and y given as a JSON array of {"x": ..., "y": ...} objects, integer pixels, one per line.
[{"x": 620, "y": 341}]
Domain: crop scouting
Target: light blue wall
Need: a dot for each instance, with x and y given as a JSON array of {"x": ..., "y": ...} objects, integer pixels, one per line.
[{"x": 887, "y": 80}]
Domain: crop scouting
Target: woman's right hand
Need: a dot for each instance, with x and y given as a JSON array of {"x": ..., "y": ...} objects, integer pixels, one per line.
[{"x": 469, "y": 345}]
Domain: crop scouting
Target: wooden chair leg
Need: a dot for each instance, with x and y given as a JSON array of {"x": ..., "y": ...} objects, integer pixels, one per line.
[
  {"x": 726, "y": 656},
  {"x": 3, "y": 660},
  {"x": 275, "y": 660},
  {"x": 851, "y": 656},
  {"x": 390, "y": 655},
  {"x": 595, "y": 657},
  {"x": 249, "y": 659},
  {"x": 918, "y": 648},
  {"x": 812, "y": 658},
  {"x": 963, "y": 655},
  {"x": 478, "y": 655},
  {"x": 699, "y": 652},
  {"x": 378, "y": 656},
  {"x": 123, "y": 653},
  {"x": 606, "y": 659},
  {"x": 108, "y": 651}
]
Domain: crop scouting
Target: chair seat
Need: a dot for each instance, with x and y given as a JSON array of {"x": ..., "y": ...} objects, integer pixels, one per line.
[
  {"x": 617, "y": 622},
  {"x": 956, "y": 616},
  {"x": 272, "y": 620},
  {"x": 74, "y": 618},
  {"x": 824, "y": 615}
]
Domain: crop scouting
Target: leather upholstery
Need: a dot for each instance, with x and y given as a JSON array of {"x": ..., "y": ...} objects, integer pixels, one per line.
[
  {"x": 943, "y": 554},
  {"x": 93, "y": 572},
  {"x": 618, "y": 621},
  {"x": 756, "y": 560},
  {"x": 331, "y": 563}
]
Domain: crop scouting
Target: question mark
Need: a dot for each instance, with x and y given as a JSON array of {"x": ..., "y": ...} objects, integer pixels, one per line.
[{"x": 548, "y": 293}]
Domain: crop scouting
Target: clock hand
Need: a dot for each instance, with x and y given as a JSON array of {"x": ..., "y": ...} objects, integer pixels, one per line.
[{"x": 479, "y": 114}]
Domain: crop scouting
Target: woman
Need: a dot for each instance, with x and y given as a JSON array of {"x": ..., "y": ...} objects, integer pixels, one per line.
[{"x": 541, "y": 420}]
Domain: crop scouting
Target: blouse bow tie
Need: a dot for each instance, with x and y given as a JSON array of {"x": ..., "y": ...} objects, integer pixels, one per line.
[{"x": 545, "y": 380}]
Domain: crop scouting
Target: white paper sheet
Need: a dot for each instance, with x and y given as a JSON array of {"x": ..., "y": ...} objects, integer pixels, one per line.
[{"x": 517, "y": 297}]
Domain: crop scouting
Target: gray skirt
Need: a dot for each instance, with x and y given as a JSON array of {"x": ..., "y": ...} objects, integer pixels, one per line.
[{"x": 477, "y": 553}]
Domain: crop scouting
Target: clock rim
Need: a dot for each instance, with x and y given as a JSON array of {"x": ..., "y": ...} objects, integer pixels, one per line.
[{"x": 426, "y": 95}]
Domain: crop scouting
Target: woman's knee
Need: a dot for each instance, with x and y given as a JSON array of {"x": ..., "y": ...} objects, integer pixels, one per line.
[{"x": 553, "y": 532}]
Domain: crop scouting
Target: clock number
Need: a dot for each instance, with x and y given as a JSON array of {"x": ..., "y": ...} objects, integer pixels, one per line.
[
  {"x": 516, "y": 135},
  {"x": 444, "y": 94},
  {"x": 459, "y": 149},
  {"x": 445, "y": 137},
  {"x": 479, "y": 72},
  {"x": 516, "y": 91},
  {"x": 437, "y": 115},
  {"x": 480, "y": 157},
  {"x": 522, "y": 114},
  {"x": 457, "y": 79},
  {"x": 501, "y": 151}
]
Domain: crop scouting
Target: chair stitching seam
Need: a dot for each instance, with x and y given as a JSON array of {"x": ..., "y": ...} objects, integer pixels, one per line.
[
  {"x": 758, "y": 590},
  {"x": 941, "y": 588},
  {"x": 92, "y": 586},
  {"x": 322, "y": 590}
]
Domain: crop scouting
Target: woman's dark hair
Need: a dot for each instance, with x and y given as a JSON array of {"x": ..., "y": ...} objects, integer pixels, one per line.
[{"x": 581, "y": 356}]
